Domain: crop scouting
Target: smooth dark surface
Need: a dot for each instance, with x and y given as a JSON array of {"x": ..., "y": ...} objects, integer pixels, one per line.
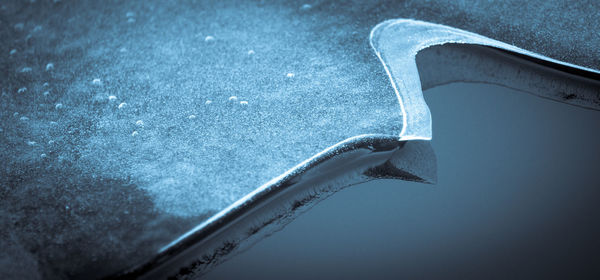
[{"x": 517, "y": 198}]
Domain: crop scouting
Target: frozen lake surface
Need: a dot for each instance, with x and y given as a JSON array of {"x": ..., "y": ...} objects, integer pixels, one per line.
[{"x": 125, "y": 124}]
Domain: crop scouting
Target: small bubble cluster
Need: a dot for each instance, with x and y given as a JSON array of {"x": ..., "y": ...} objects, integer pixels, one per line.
[{"x": 130, "y": 17}]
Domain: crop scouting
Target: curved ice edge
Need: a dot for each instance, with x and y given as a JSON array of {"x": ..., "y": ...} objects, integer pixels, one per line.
[
  {"x": 396, "y": 43},
  {"x": 279, "y": 201}
]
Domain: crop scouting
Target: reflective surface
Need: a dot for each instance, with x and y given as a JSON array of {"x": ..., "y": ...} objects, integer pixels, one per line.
[{"x": 516, "y": 198}]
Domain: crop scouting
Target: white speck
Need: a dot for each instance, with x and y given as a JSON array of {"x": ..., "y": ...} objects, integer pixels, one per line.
[
  {"x": 24, "y": 118},
  {"x": 305, "y": 7},
  {"x": 244, "y": 103},
  {"x": 58, "y": 106},
  {"x": 139, "y": 123},
  {"x": 26, "y": 70},
  {"x": 134, "y": 133},
  {"x": 130, "y": 14},
  {"x": 96, "y": 82},
  {"x": 122, "y": 105},
  {"x": 251, "y": 52},
  {"x": 22, "y": 90},
  {"x": 37, "y": 28},
  {"x": 31, "y": 143},
  {"x": 43, "y": 155},
  {"x": 49, "y": 66},
  {"x": 207, "y": 102},
  {"x": 209, "y": 38},
  {"x": 51, "y": 142},
  {"x": 13, "y": 51},
  {"x": 46, "y": 93},
  {"x": 112, "y": 98},
  {"x": 191, "y": 117},
  {"x": 290, "y": 75},
  {"x": 131, "y": 20},
  {"x": 46, "y": 85}
]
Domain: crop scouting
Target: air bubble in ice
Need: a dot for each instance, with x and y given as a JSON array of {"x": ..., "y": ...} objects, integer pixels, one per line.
[
  {"x": 134, "y": 133},
  {"x": 251, "y": 52},
  {"x": 207, "y": 102},
  {"x": 37, "y": 28},
  {"x": 96, "y": 82},
  {"x": 112, "y": 98},
  {"x": 13, "y": 51},
  {"x": 139, "y": 123},
  {"x": 244, "y": 103},
  {"x": 31, "y": 143},
  {"x": 58, "y": 106},
  {"x": 305, "y": 7},
  {"x": 51, "y": 142},
  {"x": 233, "y": 99},
  {"x": 209, "y": 38},
  {"x": 191, "y": 117},
  {"x": 122, "y": 105},
  {"x": 46, "y": 93},
  {"x": 22, "y": 90},
  {"x": 24, "y": 118},
  {"x": 43, "y": 155},
  {"x": 45, "y": 85},
  {"x": 49, "y": 66}
]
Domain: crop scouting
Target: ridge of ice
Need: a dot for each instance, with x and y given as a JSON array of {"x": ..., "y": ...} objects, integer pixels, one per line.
[{"x": 396, "y": 43}]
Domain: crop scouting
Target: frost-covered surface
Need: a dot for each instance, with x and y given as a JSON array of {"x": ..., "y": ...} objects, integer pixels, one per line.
[{"x": 123, "y": 124}]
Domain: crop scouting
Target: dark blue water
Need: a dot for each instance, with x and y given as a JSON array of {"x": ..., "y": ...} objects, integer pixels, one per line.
[{"x": 517, "y": 198}]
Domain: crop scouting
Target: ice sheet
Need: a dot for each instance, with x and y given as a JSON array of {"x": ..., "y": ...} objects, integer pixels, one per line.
[{"x": 397, "y": 42}]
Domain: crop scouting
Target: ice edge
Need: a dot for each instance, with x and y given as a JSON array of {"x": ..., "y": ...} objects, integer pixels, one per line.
[{"x": 396, "y": 43}]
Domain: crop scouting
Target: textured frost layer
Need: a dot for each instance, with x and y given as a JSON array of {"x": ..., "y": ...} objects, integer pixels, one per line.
[
  {"x": 141, "y": 119},
  {"x": 397, "y": 42}
]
